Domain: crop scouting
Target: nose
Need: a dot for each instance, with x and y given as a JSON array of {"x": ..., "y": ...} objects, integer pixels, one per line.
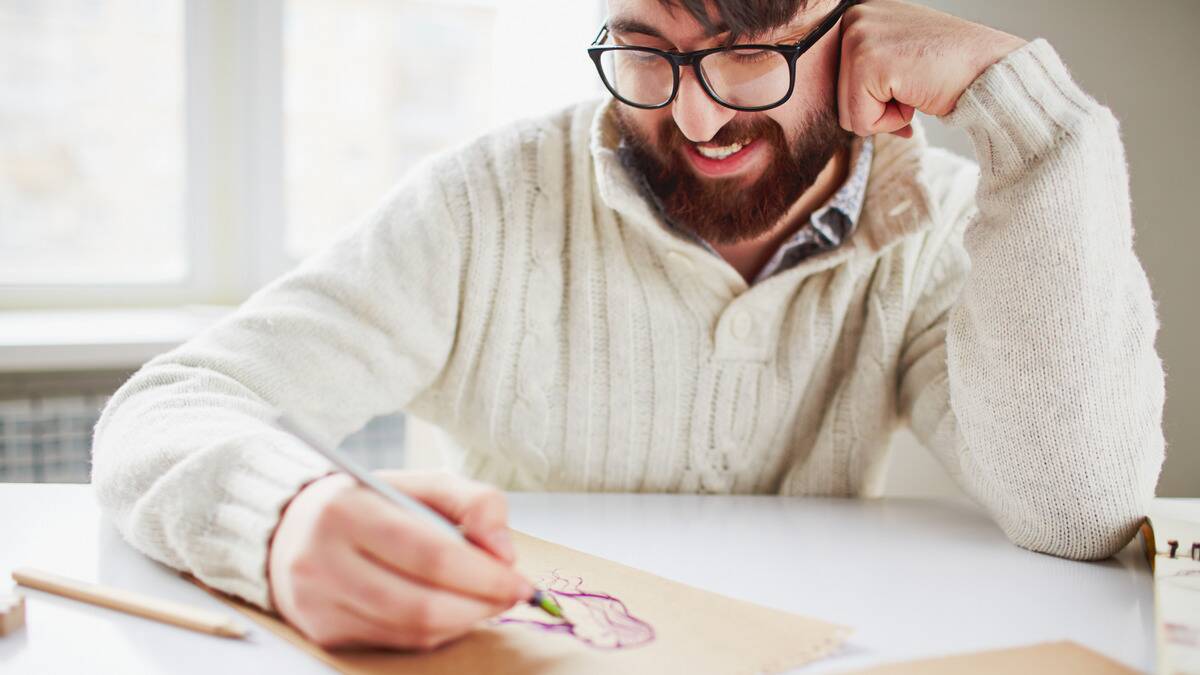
[{"x": 696, "y": 114}]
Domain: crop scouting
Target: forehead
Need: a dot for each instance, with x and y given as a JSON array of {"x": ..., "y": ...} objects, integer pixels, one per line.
[{"x": 669, "y": 21}]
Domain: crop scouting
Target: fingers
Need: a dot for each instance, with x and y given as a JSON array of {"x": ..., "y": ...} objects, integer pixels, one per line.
[
  {"x": 896, "y": 119},
  {"x": 866, "y": 99},
  {"x": 481, "y": 509},
  {"x": 843, "y": 78},
  {"x": 404, "y": 543},
  {"x": 390, "y": 609},
  {"x": 865, "y": 113},
  {"x": 843, "y": 87},
  {"x": 856, "y": 110},
  {"x": 907, "y": 112}
]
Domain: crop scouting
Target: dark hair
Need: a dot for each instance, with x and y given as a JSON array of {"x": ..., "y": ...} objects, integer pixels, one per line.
[{"x": 741, "y": 17}]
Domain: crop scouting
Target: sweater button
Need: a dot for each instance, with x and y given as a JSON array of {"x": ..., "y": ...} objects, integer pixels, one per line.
[{"x": 742, "y": 325}]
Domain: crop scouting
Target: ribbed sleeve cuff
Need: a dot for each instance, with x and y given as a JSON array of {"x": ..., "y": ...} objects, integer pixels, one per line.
[
  {"x": 245, "y": 518},
  {"x": 1019, "y": 107}
]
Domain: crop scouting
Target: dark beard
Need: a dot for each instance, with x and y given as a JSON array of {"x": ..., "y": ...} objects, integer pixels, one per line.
[{"x": 725, "y": 210}]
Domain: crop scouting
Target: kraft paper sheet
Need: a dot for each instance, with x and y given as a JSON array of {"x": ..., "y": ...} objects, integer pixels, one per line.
[
  {"x": 1050, "y": 658},
  {"x": 625, "y": 621}
]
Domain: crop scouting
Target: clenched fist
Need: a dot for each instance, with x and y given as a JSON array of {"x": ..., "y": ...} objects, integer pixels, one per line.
[
  {"x": 348, "y": 568},
  {"x": 897, "y": 57}
]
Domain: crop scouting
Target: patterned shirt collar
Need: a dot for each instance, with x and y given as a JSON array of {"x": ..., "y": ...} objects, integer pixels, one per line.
[
  {"x": 826, "y": 228},
  {"x": 829, "y": 225}
]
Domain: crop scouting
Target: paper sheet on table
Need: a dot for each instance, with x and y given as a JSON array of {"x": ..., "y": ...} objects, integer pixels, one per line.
[
  {"x": 1051, "y": 658},
  {"x": 661, "y": 627}
]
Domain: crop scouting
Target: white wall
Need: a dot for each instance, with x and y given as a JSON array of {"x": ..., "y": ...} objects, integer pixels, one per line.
[{"x": 1140, "y": 59}]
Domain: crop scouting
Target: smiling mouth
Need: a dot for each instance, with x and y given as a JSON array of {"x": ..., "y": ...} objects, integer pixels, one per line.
[
  {"x": 719, "y": 152},
  {"x": 711, "y": 160}
]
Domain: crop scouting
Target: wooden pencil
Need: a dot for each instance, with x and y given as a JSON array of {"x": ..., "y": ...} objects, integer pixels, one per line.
[{"x": 132, "y": 603}]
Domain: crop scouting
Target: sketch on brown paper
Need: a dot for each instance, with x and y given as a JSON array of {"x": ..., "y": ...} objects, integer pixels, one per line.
[
  {"x": 618, "y": 620},
  {"x": 596, "y": 619}
]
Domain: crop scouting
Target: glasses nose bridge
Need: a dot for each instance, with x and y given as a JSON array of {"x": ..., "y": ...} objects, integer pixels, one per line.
[
  {"x": 690, "y": 60},
  {"x": 686, "y": 59}
]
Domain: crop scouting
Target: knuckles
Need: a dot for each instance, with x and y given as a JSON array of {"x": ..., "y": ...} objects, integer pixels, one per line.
[
  {"x": 494, "y": 502},
  {"x": 489, "y": 508},
  {"x": 397, "y": 530},
  {"x": 304, "y": 568},
  {"x": 434, "y": 557},
  {"x": 852, "y": 38},
  {"x": 305, "y": 605},
  {"x": 335, "y": 516},
  {"x": 423, "y": 615}
]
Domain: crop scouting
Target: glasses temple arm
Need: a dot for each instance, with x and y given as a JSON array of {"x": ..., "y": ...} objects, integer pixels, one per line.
[
  {"x": 828, "y": 23},
  {"x": 602, "y": 35}
]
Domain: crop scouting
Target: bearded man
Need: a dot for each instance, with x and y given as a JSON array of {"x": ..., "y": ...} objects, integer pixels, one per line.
[{"x": 739, "y": 272}]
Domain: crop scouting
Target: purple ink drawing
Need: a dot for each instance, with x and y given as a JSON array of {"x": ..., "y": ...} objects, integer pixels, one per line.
[{"x": 597, "y": 620}]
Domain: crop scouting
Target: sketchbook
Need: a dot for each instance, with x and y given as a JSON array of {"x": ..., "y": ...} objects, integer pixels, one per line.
[{"x": 620, "y": 620}]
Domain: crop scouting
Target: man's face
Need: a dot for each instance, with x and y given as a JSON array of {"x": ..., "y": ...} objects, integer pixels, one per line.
[{"x": 783, "y": 150}]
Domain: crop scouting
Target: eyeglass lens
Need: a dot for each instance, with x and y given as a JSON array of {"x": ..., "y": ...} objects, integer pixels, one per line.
[{"x": 741, "y": 77}]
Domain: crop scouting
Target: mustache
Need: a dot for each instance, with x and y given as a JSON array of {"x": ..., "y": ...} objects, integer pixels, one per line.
[{"x": 671, "y": 140}]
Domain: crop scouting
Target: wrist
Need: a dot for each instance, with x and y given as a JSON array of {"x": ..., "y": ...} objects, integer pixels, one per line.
[
  {"x": 1000, "y": 45},
  {"x": 1018, "y": 113},
  {"x": 283, "y": 510}
]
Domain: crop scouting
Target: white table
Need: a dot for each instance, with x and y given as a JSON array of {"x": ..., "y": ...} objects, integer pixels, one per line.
[{"x": 912, "y": 577}]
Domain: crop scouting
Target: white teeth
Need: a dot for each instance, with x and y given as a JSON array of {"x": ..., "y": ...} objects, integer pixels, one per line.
[{"x": 720, "y": 153}]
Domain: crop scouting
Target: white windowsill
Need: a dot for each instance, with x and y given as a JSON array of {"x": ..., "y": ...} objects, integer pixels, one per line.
[{"x": 94, "y": 339}]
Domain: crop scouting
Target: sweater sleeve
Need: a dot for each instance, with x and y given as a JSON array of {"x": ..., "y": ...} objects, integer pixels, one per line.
[
  {"x": 1029, "y": 366},
  {"x": 185, "y": 460}
]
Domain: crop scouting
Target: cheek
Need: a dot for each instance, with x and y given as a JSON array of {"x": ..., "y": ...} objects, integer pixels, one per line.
[
  {"x": 816, "y": 87},
  {"x": 817, "y": 73},
  {"x": 646, "y": 123},
  {"x": 815, "y": 93}
]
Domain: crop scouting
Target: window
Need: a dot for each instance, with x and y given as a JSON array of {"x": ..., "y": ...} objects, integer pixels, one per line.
[
  {"x": 92, "y": 142},
  {"x": 369, "y": 91},
  {"x": 362, "y": 102},
  {"x": 164, "y": 152}
]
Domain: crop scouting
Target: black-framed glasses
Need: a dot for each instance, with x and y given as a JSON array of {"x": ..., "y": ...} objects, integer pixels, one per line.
[{"x": 750, "y": 78}]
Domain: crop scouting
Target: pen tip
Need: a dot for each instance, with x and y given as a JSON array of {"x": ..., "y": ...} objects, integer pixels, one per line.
[{"x": 547, "y": 603}]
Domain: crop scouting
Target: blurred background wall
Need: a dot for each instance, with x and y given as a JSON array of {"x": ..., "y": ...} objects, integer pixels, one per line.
[{"x": 1142, "y": 60}]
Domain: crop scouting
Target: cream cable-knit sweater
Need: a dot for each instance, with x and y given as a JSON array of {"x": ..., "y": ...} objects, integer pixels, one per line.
[{"x": 522, "y": 295}]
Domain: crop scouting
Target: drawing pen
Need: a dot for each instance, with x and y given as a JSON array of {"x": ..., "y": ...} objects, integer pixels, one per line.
[{"x": 543, "y": 601}]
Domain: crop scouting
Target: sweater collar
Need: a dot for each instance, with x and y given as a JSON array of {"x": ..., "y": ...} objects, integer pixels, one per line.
[{"x": 895, "y": 205}]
